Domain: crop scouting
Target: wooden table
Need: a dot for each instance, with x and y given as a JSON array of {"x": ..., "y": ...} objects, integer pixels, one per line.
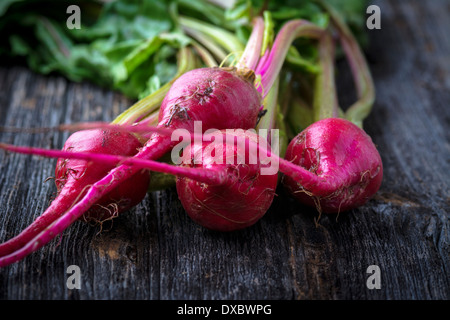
[{"x": 156, "y": 252}]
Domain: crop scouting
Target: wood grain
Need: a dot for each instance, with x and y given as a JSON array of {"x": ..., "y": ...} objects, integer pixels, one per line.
[{"x": 156, "y": 252}]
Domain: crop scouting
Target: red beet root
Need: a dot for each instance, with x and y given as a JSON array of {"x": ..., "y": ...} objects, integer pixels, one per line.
[
  {"x": 73, "y": 177},
  {"x": 239, "y": 202},
  {"x": 337, "y": 151}
]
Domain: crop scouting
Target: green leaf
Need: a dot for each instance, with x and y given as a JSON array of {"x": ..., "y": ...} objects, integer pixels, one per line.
[
  {"x": 302, "y": 63},
  {"x": 5, "y": 4},
  {"x": 140, "y": 54},
  {"x": 19, "y": 46}
]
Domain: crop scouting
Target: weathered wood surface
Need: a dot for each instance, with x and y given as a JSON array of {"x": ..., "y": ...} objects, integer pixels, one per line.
[{"x": 156, "y": 252}]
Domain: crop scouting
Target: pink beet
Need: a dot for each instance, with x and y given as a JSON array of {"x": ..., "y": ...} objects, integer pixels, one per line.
[
  {"x": 337, "y": 151},
  {"x": 74, "y": 176},
  {"x": 238, "y": 203}
]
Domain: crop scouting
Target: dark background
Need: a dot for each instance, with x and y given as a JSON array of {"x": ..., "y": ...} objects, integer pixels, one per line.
[{"x": 156, "y": 252}]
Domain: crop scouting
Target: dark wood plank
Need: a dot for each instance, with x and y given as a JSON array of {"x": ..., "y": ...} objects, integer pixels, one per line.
[{"x": 154, "y": 251}]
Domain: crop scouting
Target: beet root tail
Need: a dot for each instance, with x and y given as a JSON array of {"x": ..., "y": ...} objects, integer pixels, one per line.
[
  {"x": 48, "y": 226},
  {"x": 53, "y": 212}
]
